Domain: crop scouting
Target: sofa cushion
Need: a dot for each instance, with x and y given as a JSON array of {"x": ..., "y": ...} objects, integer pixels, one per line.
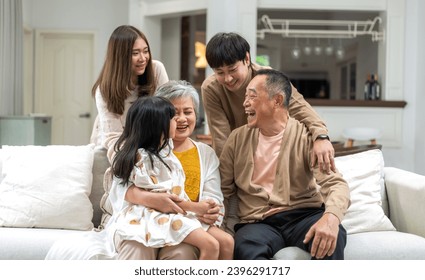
[
  {"x": 385, "y": 245},
  {"x": 364, "y": 173},
  {"x": 30, "y": 244},
  {"x": 292, "y": 253},
  {"x": 382, "y": 245},
  {"x": 47, "y": 187}
]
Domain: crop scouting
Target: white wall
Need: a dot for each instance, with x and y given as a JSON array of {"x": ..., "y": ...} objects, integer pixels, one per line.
[
  {"x": 420, "y": 95},
  {"x": 411, "y": 156},
  {"x": 415, "y": 85},
  {"x": 98, "y": 16}
]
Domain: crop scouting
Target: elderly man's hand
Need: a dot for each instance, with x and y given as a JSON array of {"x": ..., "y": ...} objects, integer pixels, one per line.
[{"x": 324, "y": 234}]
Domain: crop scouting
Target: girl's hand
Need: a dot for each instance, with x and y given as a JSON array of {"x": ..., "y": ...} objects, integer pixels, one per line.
[
  {"x": 162, "y": 202},
  {"x": 166, "y": 203}
]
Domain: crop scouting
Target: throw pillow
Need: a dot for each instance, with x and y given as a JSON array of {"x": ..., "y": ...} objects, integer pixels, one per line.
[
  {"x": 47, "y": 187},
  {"x": 364, "y": 173}
]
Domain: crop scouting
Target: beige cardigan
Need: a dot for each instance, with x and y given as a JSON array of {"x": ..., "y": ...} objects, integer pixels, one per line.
[{"x": 296, "y": 183}]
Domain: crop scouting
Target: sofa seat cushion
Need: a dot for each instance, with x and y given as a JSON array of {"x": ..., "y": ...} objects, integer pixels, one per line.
[
  {"x": 292, "y": 253},
  {"x": 383, "y": 245},
  {"x": 29, "y": 243}
]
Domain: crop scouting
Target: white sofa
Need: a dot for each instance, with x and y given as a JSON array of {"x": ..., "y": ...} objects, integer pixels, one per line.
[
  {"x": 403, "y": 202},
  {"x": 34, "y": 243},
  {"x": 402, "y": 198},
  {"x": 385, "y": 218}
]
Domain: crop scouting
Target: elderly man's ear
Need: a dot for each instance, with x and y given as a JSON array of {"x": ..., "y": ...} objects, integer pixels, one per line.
[{"x": 278, "y": 98}]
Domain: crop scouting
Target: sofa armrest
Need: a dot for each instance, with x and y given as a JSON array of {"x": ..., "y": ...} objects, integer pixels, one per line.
[{"x": 406, "y": 197}]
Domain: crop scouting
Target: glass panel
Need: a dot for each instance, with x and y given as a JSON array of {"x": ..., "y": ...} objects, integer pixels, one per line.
[
  {"x": 343, "y": 88},
  {"x": 353, "y": 80},
  {"x": 317, "y": 56}
]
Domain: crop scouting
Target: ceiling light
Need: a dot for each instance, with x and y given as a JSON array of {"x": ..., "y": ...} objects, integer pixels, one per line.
[
  {"x": 307, "y": 48},
  {"x": 340, "y": 52},
  {"x": 296, "y": 52},
  {"x": 318, "y": 48},
  {"x": 329, "y": 49}
]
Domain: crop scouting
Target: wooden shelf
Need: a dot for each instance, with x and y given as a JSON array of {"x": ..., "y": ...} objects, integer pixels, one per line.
[{"x": 356, "y": 103}]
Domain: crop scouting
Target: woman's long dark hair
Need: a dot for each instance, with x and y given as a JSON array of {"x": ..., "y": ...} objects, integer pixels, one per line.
[
  {"x": 114, "y": 80},
  {"x": 147, "y": 126}
]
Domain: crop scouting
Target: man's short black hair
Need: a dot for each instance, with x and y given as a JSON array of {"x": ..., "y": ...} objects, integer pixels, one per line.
[{"x": 226, "y": 49}]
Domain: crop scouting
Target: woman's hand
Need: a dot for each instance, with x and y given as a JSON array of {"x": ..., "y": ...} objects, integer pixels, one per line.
[
  {"x": 212, "y": 214},
  {"x": 207, "y": 210},
  {"x": 201, "y": 208}
]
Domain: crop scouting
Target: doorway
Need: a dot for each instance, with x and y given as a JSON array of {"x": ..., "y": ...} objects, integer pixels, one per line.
[{"x": 63, "y": 79}]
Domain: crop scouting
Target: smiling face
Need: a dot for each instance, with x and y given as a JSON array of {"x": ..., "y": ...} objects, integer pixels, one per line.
[
  {"x": 258, "y": 106},
  {"x": 233, "y": 76},
  {"x": 140, "y": 57},
  {"x": 185, "y": 117}
]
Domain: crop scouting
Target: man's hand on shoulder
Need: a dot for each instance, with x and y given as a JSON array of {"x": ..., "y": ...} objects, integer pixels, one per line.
[{"x": 323, "y": 155}]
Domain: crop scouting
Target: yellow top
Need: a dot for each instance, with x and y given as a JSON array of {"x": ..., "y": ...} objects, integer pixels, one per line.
[{"x": 192, "y": 170}]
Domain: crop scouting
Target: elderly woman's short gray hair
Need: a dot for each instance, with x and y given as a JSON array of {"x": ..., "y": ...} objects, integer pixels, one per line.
[{"x": 177, "y": 89}]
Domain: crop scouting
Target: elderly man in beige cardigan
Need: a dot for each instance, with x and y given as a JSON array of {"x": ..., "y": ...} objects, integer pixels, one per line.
[{"x": 283, "y": 201}]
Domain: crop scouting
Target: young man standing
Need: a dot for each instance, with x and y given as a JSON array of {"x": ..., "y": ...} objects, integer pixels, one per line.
[{"x": 228, "y": 54}]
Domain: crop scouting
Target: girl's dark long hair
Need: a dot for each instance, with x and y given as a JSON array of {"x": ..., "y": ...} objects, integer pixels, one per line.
[{"x": 147, "y": 126}]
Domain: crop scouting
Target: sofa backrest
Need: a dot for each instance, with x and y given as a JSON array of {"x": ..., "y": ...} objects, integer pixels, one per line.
[
  {"x": 100, "y": 165},
  {"x": 384, "y": 199},
  {"x": 1, "y": 165}
]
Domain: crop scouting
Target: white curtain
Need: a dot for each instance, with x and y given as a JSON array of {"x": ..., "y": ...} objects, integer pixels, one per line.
[{"x": 11, "y": 57}]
